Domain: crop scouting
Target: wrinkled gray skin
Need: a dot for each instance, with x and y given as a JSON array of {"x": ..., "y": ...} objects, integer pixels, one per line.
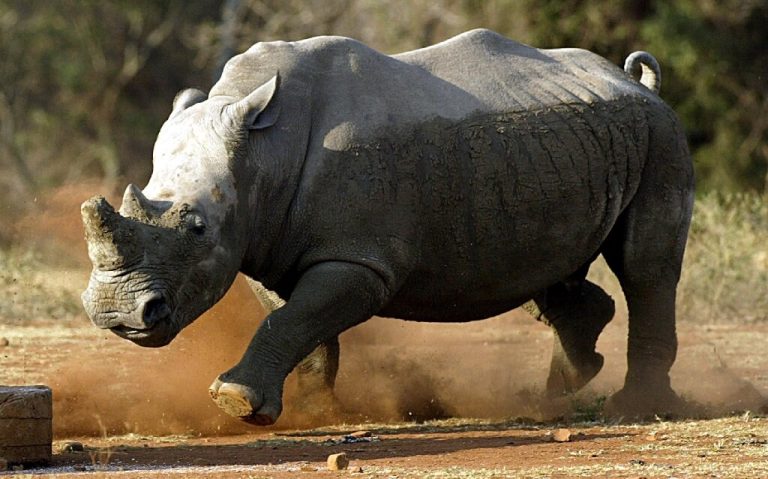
[{"x": 446, "y": 184}]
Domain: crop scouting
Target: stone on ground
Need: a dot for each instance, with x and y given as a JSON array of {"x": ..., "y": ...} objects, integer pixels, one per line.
[
  {"x": 561, "y": 435},
  {"x": 338, "y": 462}
]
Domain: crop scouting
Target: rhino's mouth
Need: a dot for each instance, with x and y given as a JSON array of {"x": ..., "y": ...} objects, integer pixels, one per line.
[
  {"x": 157, "y": 335},
  {"x": 129, "y": 332}
]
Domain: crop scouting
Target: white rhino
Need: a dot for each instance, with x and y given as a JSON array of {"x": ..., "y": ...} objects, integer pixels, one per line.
[{"x": 446, "y": 184}]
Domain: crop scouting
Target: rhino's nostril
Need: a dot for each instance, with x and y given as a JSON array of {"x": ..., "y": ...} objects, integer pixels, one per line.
[{"x": 155, "y": 311}]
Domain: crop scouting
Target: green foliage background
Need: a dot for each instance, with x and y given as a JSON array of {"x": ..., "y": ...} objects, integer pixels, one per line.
[{"x": 85, "y": 85}]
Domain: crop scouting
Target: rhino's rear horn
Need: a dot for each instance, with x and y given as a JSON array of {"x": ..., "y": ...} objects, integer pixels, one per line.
[
  {"x": 136, "y": 205},
  {"x": 112, "y": 240}
]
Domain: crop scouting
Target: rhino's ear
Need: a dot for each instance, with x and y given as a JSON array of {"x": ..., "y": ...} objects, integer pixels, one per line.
[
  {"x": 187, "y": 98},
  {"x": 259, "y": 109}
]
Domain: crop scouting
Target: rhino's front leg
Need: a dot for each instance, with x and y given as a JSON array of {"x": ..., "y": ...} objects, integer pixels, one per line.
[
  {"x": 315, "y": 374},
  {"x": 329, "y": 298}
]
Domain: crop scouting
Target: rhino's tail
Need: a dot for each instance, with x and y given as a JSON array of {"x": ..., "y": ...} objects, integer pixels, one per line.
[{"x": 644, "y": 68}]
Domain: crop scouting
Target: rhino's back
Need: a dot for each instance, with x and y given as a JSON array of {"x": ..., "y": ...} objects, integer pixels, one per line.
[
  {"x": 510, "y": 76},
  {"x": 476, "y": 72}
]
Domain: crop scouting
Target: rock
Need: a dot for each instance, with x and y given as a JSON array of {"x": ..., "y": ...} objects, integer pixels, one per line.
[
  {"x": 561, "y": 435},
  {"x": 26, "y": 429},
  {"x": 338, "y": 462},
  {"x": 359, "y": 434},
  {"x": 72, "y": 446},
  {"x": 4, "y": 342}
]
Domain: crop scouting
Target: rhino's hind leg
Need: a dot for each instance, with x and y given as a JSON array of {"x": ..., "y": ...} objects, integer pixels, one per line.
[
  {"x": 577, "y": 311},
  {"x": 645, "y": 251},
  {"x": 652, "y": 341}
]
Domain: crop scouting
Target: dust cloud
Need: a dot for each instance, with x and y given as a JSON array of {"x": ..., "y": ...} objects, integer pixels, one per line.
[
  {"x": 123, "y": 388},
  {"x": 390, "y": 370}
]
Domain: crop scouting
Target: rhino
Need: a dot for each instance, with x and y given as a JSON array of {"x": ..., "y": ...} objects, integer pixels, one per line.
[{"x": 446, "y": 184}]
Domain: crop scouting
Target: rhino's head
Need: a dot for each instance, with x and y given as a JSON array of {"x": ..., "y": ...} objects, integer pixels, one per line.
[{"x": 174, "y": 249}]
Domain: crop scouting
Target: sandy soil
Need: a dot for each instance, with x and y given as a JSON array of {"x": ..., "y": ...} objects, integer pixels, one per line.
[{"x": 145, "y": 413}]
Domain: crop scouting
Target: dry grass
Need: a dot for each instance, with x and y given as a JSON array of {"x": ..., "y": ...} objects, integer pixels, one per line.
[
  {"x": 725, "y": 274},
  {"x": 31, "y": 288},
  {"x": 725, "y": 271}
]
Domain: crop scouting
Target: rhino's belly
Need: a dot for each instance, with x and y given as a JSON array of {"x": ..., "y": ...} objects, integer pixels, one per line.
[
  {"x": 493, "y": 278},
  {"x": 449, "y": 311}
]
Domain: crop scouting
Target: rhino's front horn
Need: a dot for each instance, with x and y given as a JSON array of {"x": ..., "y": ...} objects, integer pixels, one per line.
[{"x": 112, "y": 240}]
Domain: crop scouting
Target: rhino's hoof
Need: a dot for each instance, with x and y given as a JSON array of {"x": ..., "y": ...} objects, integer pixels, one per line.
[
  {"x": 242, "y": 402},
  {"x": 566, "y": 378},
  {"x": 648, "y": 403}
]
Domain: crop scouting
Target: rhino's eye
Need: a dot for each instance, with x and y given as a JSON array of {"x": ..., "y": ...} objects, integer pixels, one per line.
[{"x": 197, "y": 226}]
